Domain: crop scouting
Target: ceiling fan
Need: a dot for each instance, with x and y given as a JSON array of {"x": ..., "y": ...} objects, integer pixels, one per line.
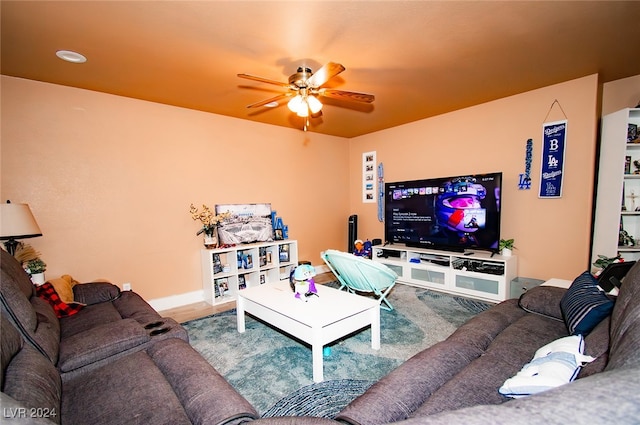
[{"x": 305, "y": 87}]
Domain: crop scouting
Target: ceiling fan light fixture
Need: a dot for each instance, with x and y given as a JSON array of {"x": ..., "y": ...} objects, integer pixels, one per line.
[
  {"x": 296, "y": 104},
  {"x": 304, "y": 88},
  {"x": 304, "y": 111},
  {"x": 314, "y": 104}
]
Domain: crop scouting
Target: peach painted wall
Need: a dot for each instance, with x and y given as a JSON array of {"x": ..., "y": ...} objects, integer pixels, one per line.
[
  {"x": 110, "y": 180},
  {"x": 552, "y": 235},
  {"x": 620, "y": 94}
]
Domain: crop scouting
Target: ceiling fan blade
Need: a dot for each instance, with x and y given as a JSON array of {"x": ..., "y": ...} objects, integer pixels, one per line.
[
  {"x": 275, "y": 99},
  {"x": 324, "y": 74},
  {"x": 264, "y": 80},
  {"x": 347, "y": 95}
]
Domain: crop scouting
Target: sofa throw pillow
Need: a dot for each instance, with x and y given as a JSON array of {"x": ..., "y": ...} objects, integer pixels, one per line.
[
  {"x": 543, "y": 300},
  {"x": 553, "y": 365},
  {"x": 584, "y": 305},
  {"x": 47, "y": 292}
]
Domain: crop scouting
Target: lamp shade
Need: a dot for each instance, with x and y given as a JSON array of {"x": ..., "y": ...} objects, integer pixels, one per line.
[{"x": 17, "y": 222}]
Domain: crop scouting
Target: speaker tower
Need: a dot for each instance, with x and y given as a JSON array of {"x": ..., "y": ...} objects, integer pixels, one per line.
[{"x": 353, "y": 232}]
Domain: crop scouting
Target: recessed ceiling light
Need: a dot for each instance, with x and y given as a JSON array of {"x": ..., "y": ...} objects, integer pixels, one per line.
[{"x": 70, "y": 56}]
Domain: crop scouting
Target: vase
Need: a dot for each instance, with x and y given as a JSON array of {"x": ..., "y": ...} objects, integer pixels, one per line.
[
  {"x": 506, "y": 252},
  {"x": 211, "y": 239},
  {"x": 37, "y": 278}
]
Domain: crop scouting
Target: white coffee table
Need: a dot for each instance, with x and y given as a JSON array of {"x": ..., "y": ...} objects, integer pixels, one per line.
[{"x": 319, "y": 321}]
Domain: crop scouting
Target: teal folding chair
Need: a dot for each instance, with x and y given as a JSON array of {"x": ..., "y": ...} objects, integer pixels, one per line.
[{"x": 359, "y": 274}]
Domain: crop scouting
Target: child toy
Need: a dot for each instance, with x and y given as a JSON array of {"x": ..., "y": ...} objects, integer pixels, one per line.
[
  {"x": 302, "y": 282},
  {"x": 362, "y": 249}
]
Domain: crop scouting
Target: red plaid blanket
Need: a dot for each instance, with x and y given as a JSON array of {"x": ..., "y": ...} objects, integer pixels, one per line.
[{"x": 47, "y": 292}]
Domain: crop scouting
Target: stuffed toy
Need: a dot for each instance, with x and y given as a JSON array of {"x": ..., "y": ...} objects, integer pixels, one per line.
[
  {"x": 64, "y": 287},
  {"x": 362, "y": 249},
  {"x": 302, "y": 282}
]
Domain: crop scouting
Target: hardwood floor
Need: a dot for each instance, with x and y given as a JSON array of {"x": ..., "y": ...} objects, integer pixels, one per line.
[{"x": 202, "y": 309}]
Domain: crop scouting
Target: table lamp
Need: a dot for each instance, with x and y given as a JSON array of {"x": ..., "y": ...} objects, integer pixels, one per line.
[{"x": 17, "y": 222}]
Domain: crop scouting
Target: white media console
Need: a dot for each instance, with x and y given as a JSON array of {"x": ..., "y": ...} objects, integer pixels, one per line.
[{"x": 475, "y": 274}]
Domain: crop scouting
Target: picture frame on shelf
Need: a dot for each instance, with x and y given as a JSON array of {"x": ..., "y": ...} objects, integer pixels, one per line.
[
  {"x": 627, "y": 164},
  {"x": 632, "y": 133},
  {"x": 217, "y": 264},
  {"x": 247, "y": 223},
  {"x": 278, "y": 235},
  {"x": 221, "y": 286},
  {"x": 242, "y": 283},
  {"x": 263, "y": 256},
  {"x": 284, "y": 254}
]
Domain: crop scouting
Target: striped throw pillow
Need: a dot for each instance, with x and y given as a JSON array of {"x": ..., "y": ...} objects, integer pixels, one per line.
[{"x": 584, "y": 305}]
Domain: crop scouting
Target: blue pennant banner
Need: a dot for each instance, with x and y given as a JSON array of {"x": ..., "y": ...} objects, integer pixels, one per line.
[
  {"x": 524, "y": 183},
  {"x": 554, "y": 138}
]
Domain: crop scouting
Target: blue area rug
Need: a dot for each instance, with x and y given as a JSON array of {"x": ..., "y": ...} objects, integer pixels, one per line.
[
  {"x": 323, "y": 400},
  {"x": 274, "y": 371}
]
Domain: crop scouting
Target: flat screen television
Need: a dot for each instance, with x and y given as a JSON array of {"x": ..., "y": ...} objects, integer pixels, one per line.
[{"x": 448, "y": 213}]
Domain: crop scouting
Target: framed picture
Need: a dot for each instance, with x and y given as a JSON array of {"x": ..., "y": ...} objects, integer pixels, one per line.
[
  {"x": 263, "y": 256},
  {"x": 277, "y": 233},
  {"x": 369, "y": 177},
  {"x": 247, "y": 223},
  {"x": 221, "y": 286},
  {"x": 284, "y": 253}
]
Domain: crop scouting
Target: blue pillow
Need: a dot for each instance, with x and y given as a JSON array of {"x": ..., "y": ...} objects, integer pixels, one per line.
[{"x": 584, "y": 305}]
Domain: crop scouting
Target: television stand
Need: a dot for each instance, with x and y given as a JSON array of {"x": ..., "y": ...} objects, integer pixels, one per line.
[
  {"x": 477, "y": 274},
  {"x": 433, "y": 247}
]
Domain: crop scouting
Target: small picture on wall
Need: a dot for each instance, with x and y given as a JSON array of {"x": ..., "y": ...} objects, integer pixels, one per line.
[{"x": 369, "y": 177}]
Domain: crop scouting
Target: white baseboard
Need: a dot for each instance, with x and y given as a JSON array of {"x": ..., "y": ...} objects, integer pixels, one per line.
[
  {"x": 173, "y": 301},
  {"x": 179, "y": 300}
]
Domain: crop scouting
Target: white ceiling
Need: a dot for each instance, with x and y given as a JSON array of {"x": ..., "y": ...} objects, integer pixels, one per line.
[{"x": 419, "y": 58}]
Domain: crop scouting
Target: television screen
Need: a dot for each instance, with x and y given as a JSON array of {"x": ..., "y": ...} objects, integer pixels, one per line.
[{"x": 449, "y": 213}]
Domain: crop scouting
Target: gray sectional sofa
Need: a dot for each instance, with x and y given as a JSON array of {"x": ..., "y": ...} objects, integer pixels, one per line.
[
  {"x": 140, "y": 378},
  {"x": 115, "y": 361},
  {"x": 456, "y": 381}
]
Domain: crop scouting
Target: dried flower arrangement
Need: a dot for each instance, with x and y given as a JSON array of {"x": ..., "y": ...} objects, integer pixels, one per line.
[{"x": 209, "y": 220}]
